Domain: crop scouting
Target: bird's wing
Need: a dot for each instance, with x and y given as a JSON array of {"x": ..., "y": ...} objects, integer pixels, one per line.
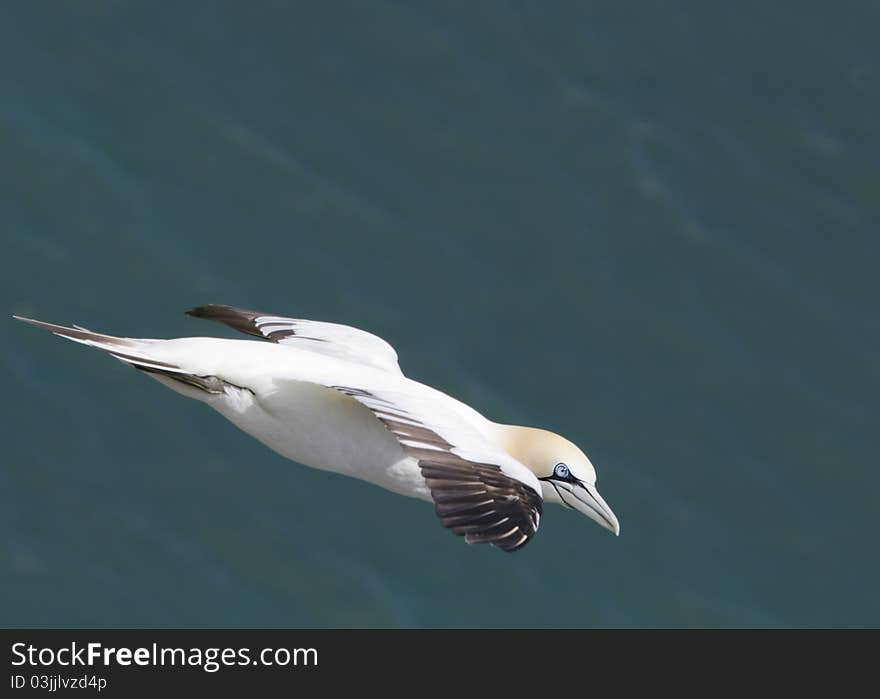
[
  {"x": 479, "y": 490},
  {"x": 340, "y": 341}
]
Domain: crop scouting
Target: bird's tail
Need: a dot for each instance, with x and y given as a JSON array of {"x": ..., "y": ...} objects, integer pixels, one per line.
[
  {"x": 139, "y": 353},
  {"x": 131, "y": 351}
]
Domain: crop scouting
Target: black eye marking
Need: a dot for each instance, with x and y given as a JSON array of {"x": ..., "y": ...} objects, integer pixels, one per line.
[
  {"x": 561, "y": 471},
  {"x": 561, "y": 474}
]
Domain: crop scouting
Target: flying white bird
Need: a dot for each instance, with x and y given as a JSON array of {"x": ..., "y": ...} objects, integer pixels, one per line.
[{"x": 334, "y": 398}]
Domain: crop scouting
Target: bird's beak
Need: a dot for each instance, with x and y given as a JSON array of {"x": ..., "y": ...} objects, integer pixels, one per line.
[{"x": 588, "y": 501}]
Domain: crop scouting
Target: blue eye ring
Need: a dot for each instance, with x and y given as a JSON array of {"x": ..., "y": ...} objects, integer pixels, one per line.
[{"x": 561, "y": 471}]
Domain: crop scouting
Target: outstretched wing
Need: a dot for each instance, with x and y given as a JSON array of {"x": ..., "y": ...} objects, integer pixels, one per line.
[
  {"x": 340, "y": 341},
  {"x": 479, "y": 491}
]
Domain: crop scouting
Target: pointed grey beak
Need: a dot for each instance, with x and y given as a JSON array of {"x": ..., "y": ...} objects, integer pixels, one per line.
[{"x": 588, "y": 501}]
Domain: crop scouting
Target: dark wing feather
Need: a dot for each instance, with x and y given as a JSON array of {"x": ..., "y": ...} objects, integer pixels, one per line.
[
  {"x": 330, "y": 339},
  {"x": 238, "y": 319},
  {"x": 473, "y": 499}
]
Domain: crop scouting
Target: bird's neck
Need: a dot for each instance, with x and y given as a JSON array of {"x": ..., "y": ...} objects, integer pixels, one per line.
[{"x": 528, "y": 445}]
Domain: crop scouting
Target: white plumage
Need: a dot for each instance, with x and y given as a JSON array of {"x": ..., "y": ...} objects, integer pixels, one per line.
[{"x": 334, "y": 398}]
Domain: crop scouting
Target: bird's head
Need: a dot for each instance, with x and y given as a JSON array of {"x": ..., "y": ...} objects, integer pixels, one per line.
[{"x": 566, "y": 475}]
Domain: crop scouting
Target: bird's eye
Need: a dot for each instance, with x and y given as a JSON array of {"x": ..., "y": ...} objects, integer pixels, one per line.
[{"x": 561, "y": 471}]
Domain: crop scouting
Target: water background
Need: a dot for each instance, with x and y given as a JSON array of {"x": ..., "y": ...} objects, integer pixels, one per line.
[{"x": 652, "y": 227}]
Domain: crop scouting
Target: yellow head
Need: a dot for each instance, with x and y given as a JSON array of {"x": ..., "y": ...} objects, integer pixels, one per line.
[{"x": 566, "y": 475}]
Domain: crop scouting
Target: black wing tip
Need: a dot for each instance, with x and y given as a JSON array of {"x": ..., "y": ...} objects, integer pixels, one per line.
[
  {"x": 211, "y": 310},
  {"x": 504, "y": 514},
  {"x": 511, "y": 544},
  {"x": 236, "y": 318}
]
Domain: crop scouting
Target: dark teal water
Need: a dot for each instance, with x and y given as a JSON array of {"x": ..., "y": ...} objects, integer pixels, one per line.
[{"x": 652, "y": 227}]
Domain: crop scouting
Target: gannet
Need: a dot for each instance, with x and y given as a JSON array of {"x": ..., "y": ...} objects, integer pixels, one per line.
[{"x": 334, "y": 398}]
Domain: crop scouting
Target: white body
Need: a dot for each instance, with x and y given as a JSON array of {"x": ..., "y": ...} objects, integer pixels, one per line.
[
  {"x": 333, "y": 398},
  {"x": 289, "y": 408}
]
